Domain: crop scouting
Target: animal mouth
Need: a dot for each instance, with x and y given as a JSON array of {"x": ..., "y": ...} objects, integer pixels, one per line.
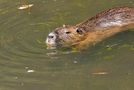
[
  {"x": 51, "y": 40},
  {"x": 50, "y": 45}
]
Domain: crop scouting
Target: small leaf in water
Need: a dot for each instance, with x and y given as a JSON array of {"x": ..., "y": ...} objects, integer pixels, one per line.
[
  {"x": 100, "y": 73},
  {"x": 75, "y": 62},
  {"x": 30, "y": 71},
  {"x": 25, "y": 6},
  {"x": 110, "y": 47}
]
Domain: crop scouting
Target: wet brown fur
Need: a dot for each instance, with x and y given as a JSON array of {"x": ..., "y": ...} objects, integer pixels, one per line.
[
  {"x": 96, "y": 28},
  {"x": 97, "y": 33},
  {"x": 97, "y": 36},
  {"x": 93, "y": 23}
]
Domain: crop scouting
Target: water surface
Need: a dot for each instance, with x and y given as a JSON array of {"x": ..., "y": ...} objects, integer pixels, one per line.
[{"x": 26, "y": 64}]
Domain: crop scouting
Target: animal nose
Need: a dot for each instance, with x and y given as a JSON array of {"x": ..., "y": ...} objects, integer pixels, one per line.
[{"x": 51, "y": 36}]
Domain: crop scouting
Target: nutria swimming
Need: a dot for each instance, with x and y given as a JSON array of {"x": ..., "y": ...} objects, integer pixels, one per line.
[{"x": 93, "y": 30}]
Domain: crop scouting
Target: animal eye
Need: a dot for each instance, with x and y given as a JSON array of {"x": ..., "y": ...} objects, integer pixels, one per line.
[
  {"x": 79, "y": 31},
  {"x": 68, "y": 32}
]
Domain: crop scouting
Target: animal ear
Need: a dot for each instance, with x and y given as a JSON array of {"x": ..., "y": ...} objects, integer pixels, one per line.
[{"x": 64, "y": 25}]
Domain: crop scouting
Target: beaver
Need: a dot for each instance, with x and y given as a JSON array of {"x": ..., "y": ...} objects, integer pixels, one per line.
[{"x": 93, "y": 30}]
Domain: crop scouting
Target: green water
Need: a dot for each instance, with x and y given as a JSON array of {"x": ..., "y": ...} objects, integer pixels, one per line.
[{"x": 26, "y": 64}]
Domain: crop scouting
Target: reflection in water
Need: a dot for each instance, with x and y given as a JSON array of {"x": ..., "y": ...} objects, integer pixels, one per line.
[{"x": 26, "y": 64}]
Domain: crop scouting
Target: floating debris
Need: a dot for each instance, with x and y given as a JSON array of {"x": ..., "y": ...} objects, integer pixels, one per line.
[
  {"x": 100, "y": 73},
  {"x": 15, "y": 77},
  {"x": 25, "y": 6},
  {"x": 30, "y": 71},
  {"x": 75, "y": 62},
  {"x": 110, "y": 47}
]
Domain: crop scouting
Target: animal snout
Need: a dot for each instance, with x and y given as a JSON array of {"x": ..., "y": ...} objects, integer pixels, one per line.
[{"x": 50, "y": 36}]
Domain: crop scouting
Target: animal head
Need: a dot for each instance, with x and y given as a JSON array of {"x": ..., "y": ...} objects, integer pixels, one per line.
[{"x": 65, "y": 36}]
